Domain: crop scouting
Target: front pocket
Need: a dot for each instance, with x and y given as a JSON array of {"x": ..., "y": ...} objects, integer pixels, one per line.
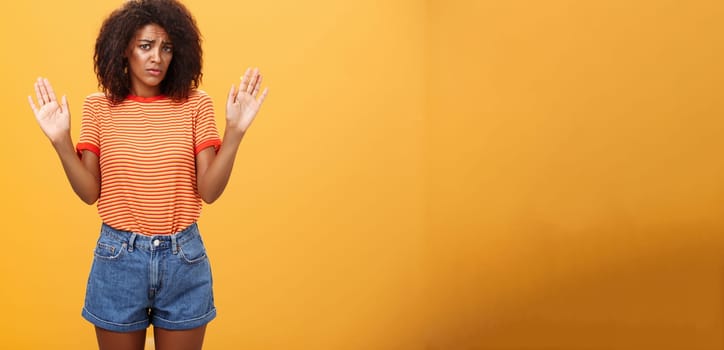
[
  {"x": 192, "y": 251},
  {"x": 109, "y": 250}
]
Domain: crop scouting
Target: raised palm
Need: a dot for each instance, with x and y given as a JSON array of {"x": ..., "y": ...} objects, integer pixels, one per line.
[
  {"x": 243, "y": 103},
  {"x": 53, "y": 117}
]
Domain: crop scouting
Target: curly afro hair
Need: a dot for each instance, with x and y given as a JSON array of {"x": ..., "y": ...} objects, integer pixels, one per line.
[{"x": 184, "y": 71}]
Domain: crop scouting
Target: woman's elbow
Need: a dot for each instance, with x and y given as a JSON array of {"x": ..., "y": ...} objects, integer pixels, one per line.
[
  {"x": 207, "y": 196},
  {"x": 208, "y": 199},
  {"x": 89, "y": 197},
  {"x": 90, "y": 200}
]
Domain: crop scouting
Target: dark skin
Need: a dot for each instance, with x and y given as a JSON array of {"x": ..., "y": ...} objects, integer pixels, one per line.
[{"x": 164, "y": 339}]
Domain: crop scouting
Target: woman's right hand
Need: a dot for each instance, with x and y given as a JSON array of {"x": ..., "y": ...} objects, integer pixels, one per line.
[{"x": 53, "y": 117}]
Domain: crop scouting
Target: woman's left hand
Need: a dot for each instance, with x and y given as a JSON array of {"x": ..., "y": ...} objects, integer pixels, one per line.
[{"x": 243, "y": 103}]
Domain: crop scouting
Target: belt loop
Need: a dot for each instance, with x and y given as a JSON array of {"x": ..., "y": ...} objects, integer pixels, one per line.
[
  {"x": 132, "y": 241},
  {"x": 174, "y": 244}
]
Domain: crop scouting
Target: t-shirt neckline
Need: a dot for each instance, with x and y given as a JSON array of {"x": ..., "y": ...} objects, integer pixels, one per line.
[{"x": 145, "y": 99}]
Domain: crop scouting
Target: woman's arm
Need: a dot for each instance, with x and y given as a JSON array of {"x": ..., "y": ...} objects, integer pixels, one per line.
[
  {"x": 242, "y": 105},
  {"x": 214, "y": 169},
  {"x": 83, "y": 174},
  {"x": 54, "y": 120}
]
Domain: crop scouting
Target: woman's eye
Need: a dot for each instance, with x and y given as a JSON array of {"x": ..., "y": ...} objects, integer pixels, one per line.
[
  {"x": 168, "y": 49},
  {"x": 145, "y": 46}
]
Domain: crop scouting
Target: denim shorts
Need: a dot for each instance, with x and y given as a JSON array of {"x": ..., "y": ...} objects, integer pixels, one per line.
[{"x": 137, "y": 280}]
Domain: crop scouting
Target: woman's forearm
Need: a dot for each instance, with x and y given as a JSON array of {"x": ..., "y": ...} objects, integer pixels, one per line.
[
  {"x": 83, "y": 175},
  {"x": 213, "y": 180}
]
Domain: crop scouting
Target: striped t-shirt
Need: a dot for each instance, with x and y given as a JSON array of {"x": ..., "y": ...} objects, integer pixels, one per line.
[{"x": 147, "y": 149}]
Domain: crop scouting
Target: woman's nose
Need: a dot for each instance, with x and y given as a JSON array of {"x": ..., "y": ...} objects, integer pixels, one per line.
[{"x": 156, "y": 55}]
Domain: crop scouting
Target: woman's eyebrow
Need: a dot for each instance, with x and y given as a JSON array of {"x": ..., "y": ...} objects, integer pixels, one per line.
[{"x": 153, "y": 41}]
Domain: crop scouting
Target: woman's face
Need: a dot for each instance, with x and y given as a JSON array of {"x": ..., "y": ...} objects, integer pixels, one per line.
[{"x": 149, "y": 54}]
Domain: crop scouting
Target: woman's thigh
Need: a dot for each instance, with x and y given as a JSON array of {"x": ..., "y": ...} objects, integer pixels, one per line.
[
  {"x": 109, "y": 340},
  {"x": 189, "y": 339}
]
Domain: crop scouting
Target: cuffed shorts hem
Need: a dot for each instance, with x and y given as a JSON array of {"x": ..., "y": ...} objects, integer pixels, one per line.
[
  {"x": 185, "y": 324},
  {"x": 112, "y": 326},
  {"x": 157, "y": 322}
]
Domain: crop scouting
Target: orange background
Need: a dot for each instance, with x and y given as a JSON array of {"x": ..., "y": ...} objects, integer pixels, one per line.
[{"x": 424, "y": 175}]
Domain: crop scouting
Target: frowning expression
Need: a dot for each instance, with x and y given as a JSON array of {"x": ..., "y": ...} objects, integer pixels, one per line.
[{"x": 149, "y": 54}]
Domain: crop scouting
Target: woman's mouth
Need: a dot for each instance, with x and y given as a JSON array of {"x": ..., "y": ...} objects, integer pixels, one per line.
[{"x": 154, "y": 72}]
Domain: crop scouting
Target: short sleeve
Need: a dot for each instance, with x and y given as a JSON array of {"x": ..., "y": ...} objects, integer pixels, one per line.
[
  {"x": 90, "y": 126},
  {"x": 205, "y": 132}
]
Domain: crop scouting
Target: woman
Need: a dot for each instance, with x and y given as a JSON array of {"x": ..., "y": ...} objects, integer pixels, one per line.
[{"x": 149, "y": 153}]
